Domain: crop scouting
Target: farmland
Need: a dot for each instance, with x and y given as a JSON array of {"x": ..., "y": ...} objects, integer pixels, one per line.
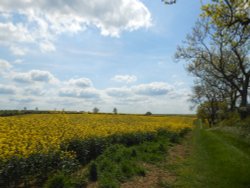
[
  {"x": 105, "y": 150},
  {"x": 35, "y": 146},
  {"x": 26, "y": 135}
]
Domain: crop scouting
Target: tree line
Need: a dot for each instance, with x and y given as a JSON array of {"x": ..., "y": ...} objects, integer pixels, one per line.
[{"x": 217, "y": 52}]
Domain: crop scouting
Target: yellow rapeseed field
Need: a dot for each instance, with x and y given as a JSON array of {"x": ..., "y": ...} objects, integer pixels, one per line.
[{"x": 28, "y": 134}]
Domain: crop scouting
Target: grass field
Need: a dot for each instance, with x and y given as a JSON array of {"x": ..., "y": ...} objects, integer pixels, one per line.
[
  {"x": 217, "y": 160},
  {"x": 101, "y": 150}
]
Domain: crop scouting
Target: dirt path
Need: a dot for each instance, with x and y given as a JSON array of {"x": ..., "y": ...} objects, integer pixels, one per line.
[{"x": 162, "y": 175}]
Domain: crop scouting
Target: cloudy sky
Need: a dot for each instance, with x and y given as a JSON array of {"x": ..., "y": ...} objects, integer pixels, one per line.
[{"x": 82, "y": 54}]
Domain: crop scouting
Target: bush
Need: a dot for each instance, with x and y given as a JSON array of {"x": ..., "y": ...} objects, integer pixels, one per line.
[
  {"x": 115, "y": 165},
  {"x": 184, "y": 131},
  {"x": 37, "y": 167},
  {"x": 130, "y": 139},
  {"x": 59, "y": 181},
  {"x": 86, "y": 150},
  {"x": 148, "y": 114}
]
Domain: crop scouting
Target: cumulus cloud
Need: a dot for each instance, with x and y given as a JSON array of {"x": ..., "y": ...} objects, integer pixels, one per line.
[
  {"x": 22, "y": 100},
  {"x": 125, "y": 78},
  {"x": 11, "y": 33},
  {"x": 47, "y": 46},
  {"x": 34, "y": 91},
  {"x": 4, "y": 65},
  {"x": 80, "y": 82},
  {"x": 89, "y": 93},
  {"x": 119, "y": 92},
  {"x": 132, "y": 100},
  {"x": 43, "y": 20},
  {"x": 34, "y": 76},
  {"x": 7, "y": 90},
  {"x": 152, "y": 89},
  {"x": 18, "y": 50}
]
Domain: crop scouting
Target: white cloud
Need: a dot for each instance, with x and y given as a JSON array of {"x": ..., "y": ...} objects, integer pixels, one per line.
[
  {"x": 23, "y": 100},
  {"x": 153, "y": 89},
  {"x": 18, "y": 61},
  {"x": 89, "y": 93},
  {"x": 47, "y": 46},
  {"x": 12, "y": 33},
  {"x": 119, "y": 92},
  {"x": 4, "y": 65},
  {"x": 80, "y": 94},
  {"x": 7, "y": 90},
  {"x": 18, "y": 50},
  {"x": 34, "y": 91},
  {"x": 80, "y": 82},
  {"x": 43, "y": 20},
  {"x": 124, "y": 78},
  {"x": 34, "y": 76}
]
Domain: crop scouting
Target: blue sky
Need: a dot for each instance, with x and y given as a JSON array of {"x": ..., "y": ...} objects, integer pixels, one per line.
[{"x": 105, "y": 54}]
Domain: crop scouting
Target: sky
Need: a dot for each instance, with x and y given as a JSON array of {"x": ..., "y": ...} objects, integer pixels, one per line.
[{"x": 79, "y": 54}]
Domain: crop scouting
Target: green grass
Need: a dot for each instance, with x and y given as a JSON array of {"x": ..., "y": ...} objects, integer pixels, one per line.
[
  {"x": 235, "y": 140},
  {"x": 218, "y": 160},
  {"x": 120, "y": 163}
]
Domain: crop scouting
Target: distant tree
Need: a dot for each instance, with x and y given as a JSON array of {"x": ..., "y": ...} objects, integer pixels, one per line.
[
  {"x": 95, "y": 110},
  {"x": 36, "y": 109},
  {"x": 169, "y": 2},
  {"x": 25, "y": 109},
  {"x": 115, "y": 110},
  {"x": 148, "y": 114}
]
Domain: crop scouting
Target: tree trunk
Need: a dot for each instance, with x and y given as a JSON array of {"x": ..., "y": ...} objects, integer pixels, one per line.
[
  {"x": 233, "y": 99},
  {"x": 244, "y": 95}
]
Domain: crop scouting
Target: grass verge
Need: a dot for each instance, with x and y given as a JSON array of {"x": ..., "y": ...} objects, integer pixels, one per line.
[{"x": 218, "y": 160}]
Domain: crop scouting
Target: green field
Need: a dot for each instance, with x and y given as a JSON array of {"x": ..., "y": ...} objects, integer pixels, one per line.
[{"x": 217, "y": 159}]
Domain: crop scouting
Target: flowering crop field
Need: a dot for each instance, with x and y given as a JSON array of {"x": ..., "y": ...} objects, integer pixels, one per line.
[{"x": 24, "y": 135}]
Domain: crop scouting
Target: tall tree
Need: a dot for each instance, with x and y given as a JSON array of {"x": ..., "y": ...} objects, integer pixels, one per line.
[{"x": 220, "y": 52}]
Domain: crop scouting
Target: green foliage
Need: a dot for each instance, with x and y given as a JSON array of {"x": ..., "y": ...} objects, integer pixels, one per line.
[
  {"x": 226, "y": 13},
  {"x": 232, "y": 119},
  {"x": 95, "y": 110},
  {"x": 59, "y": 181},
  {"x": 120, "y": 163},
  {"x": 184, "y": 132},
  {"x": 116, "y": 157},
  {"x": 130, "y": 139},
  {"x": 86, "y": 149},
  {"x": 115, "y": 110},
  {"x": 148, "y": 114},
  {"x": 212, "y": 111},
  {"x": 37, "y": 167},
  {"x": 90, "y": 148},
  {"x": 114, "y": 166}
]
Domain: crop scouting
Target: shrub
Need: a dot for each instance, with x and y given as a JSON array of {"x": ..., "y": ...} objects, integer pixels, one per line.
[
  {"x": 37, "y": 167},
  {"x": 184, "y": 131},
  {"x": 59, "y": 181},
  {"x": 87, "y": 149},
  {"x": 148, "y": 114}
]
